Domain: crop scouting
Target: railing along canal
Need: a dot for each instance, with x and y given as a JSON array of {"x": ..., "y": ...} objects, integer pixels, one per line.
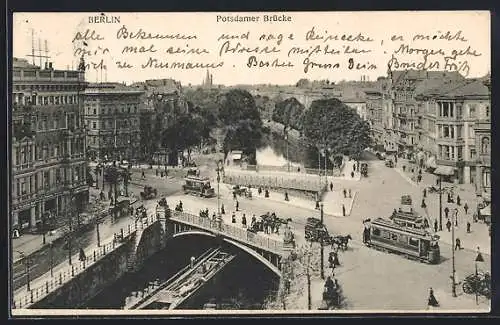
[{"x": 230, "y": 231}]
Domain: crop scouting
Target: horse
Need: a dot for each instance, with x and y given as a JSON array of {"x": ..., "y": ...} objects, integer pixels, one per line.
[{"x": 343, "y": 241}]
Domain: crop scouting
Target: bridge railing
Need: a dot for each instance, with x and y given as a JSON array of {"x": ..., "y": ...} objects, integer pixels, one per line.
[
  {"x": 304, "y": 183},
  {"x": 42, "y": 286},
  {"x": 228, "y": 230}
]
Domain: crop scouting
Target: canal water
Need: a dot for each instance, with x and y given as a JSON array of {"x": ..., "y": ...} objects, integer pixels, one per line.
[{"x": 244, "y": 284}]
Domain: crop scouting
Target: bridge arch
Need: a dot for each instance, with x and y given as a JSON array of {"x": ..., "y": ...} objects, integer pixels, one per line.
[{"x": 242, "y": 247}]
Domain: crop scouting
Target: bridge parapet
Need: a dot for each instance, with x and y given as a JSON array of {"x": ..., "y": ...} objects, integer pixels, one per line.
[{"x": 236, "y": 233}]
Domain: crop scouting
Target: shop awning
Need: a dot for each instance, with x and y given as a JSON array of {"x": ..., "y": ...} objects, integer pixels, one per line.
[
  {"x": 431, "y": 162},
  {"x": 486, "y": 211},
  {"x": 444, "y": 170}
]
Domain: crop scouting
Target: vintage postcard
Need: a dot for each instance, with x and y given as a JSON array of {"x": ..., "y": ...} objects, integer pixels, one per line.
[{"x": 250, "y": 162}]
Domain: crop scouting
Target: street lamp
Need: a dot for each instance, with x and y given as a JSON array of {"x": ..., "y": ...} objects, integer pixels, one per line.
[
  {"x": 453, "y": 271},
  {"x": 27, "y": 268},
  {"x": 287, "y": 156},
  {"x": 218, "y": 170},
  {"x": 98, "y": 222},
  {"x": 51, "y": 258},
  {"x": 479, "y": 259},
  {"x": 321, "y": 243}
]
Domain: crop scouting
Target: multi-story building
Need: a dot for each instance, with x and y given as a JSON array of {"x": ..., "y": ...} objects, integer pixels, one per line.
[
  {"x": 112, "y": 120},
  {"x": 455, "y": 121},
  {"x": 482, "y": 131},
  {"x": 377, "y": 104},
  {"x": 405, "y": 86},
  {"x": 48, "y": 145}
]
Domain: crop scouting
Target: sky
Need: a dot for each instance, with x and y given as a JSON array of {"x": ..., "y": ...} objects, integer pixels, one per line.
[{"x": 375, "y": 34}]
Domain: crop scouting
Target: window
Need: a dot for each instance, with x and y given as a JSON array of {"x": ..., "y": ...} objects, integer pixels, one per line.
[
  {"x": 95, "y": 111},
  {"x": 23, "y": 186},
  {"x": 46, "y": 179},
  {"x": 394, "y": 237},
  {"x": 386, "y": 235},
  {"x": 413, "y": 242},
  {"x": 376, "y": 232},
  {"x": 94, "y": 125},
  {"x": 472, "y": 154},
  {"x": 446, "y": 132},
  {"x": 459, "y": 152},
  {"x": 487, "y": 111},
  {"x": 485, "y": 145},
  {"x": 486, "y": 178}
]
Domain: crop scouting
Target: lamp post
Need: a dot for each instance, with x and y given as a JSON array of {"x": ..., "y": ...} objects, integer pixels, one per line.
[
  {"x": 27, "y": 268},
  {"x": 51, "y": 258},
  {"x": 479, "y": 259},
  {"x": 322, "y": 258},
  {"x": 453, "y": 271},
  {"x": 441, "y": 205},
  {"x": 98, "y": 222},
  {"x": 218, "y": 170}
]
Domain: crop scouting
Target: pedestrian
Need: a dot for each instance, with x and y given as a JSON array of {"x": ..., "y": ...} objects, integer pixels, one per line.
[
  {"x": 352, "y": 174},
  {"x": 353, "y": 167},
  {"x": 259, "y": 190},
  {"x": 448, "y": 225},
  {"x": 350, "y": 193},
  {"x": 435, "y": 226},
  {"x": 455, "y": 213},
  {"x": 244, "y": 221},
  {"x": 298, "y": 169},
  {"x": 156, "y": 171},
  {"x": 424, "y": 192},
  {"x": 286, "y": 196},
  {"x": 237, "y": 205},
  {"x": 458, "y": 244},
  {"x": 468, "y": 227},
  {"x": 143, "y": 175},
  {"x": 404, "y": 168},
  {"x": 343, "y": 210},
  {"x": 266, "y": 194},
  {"x": 423, "y": 205},
  {"x": 458, "y": 199},
  {"x": 254, "y": 220},
  {"x": 437, "y": 181},
  {"x": 420, "y": 171},
  {"x": 161, "y": 174},
  {"x": 222, "y": 211},
  {"x": 446, "y": 211},
  {"x": 233, "y": 218},
  {"x": 345, "y": 193},
  {"x": 331, "y": 187},
  {"x": 419, "y": 178},
  {"x": 82, "y": 256},
  {"x": 432, "y": 301},
  {"x": 317, "y": 204},
  {"x": 466, "y": 207},
  {"x": 234, "y": 195}
]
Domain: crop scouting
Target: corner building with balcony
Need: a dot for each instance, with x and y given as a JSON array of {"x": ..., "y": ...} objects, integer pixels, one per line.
[
  {"x": 48, "y": 163},
  {"x": 112, "y": 112},
  {"x": 456, "y": 130},
  {"x": 406, "y": 118}
]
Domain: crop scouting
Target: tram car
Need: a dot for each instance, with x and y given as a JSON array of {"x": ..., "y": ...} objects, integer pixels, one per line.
[
  {"x": 413, "y": 243},
  {"x": 198, "y": 186}
]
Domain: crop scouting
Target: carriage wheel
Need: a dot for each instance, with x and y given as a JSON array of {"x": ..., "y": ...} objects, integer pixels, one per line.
[{"x": 467, "y": 286}]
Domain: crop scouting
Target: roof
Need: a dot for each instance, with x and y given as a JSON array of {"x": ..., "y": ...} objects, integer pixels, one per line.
[
  {"x": 110, "y": 87},
  {"x": 399, "y": 75},
  {"x": 455, "y": 88},
  {"x": 23, "y": 63}
]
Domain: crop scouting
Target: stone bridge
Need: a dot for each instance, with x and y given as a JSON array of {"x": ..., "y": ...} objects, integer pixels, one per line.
[{"x": 70, "y": 286}]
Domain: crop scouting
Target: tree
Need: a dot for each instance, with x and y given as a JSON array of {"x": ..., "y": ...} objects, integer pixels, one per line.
[
  {"x": 303, "y": 83},
  {"x": 289, "y": 113},
  {"x": 240, "y": 117},
  {"x": 331, "y": 124}
]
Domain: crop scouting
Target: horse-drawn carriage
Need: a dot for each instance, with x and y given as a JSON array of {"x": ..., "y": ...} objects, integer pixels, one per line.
[
  {"x": 268, "y": 223},
  {"x": 148, "y": 193},
  {"x": 315, "y": 230},
  {"x": 242, "y": 191},
  {"x": 479, "y": 283}
]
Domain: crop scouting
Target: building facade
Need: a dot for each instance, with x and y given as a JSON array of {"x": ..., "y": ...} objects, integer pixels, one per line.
[
  {"x": 112, "y": 121},
  {"x": 455, "y": 121},
  {"x": 405, "y": 86},
  {"x": 48, "y": 164}
]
